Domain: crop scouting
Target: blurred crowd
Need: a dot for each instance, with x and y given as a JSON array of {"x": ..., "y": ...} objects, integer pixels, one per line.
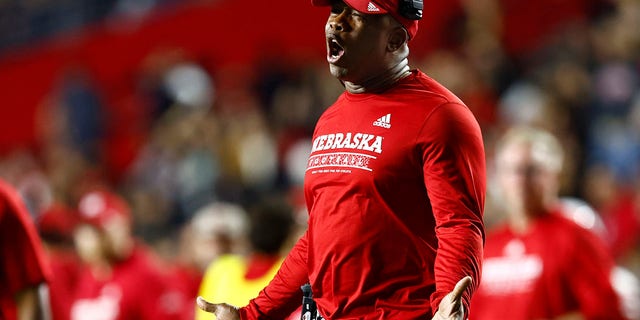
[
  {"x": 237, "y": 138},
  {"x": 25, "y": 22}
]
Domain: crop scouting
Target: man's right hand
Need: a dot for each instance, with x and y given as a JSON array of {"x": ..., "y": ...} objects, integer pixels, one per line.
[
  {"x": 451, "y": 307},
  {"x": 222, "y": 311}
]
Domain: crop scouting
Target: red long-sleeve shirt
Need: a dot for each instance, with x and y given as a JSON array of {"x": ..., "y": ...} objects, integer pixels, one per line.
[
  {"x": 22, "y": 260},
  {"x": 555, "y": 268},
  {"x": 134, "y": 289},
  {"x": 395, "y": 188}
]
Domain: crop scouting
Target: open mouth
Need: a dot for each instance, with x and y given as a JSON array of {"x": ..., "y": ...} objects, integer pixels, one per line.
[{"x": 334, "y": 50}]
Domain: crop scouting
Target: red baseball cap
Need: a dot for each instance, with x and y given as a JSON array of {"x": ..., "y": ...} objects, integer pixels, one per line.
[
  {"x": 378, "y": 7},
  {"x": 57, "y": 222},
  {"x": 99, "y": 207}
]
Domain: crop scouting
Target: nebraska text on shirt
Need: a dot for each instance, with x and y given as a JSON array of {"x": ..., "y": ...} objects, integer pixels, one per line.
[{"x": 359, "y": 141}]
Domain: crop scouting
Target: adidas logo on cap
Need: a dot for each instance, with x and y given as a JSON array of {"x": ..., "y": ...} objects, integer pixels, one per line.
[{"x": 372, "y": 7}]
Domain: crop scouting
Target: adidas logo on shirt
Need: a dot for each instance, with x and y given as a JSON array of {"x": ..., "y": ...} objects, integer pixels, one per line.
[
  {"x": 372, "y": 7},
  {"x": 384, "y": 121}
]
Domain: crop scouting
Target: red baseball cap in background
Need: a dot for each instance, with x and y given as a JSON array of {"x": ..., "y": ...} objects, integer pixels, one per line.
[
  {"x": 57, "y": 222},
  {"x": 98, "y": 207},
  {"x": 378, "y": 7}
]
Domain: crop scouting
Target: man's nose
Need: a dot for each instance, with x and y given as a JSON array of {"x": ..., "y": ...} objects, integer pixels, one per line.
[
  {"x": 337, "y": 26},
  {"x": 338, "y": 23}
]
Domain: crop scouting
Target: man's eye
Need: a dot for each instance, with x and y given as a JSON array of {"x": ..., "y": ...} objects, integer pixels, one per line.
[{"x": 357, "y": 15}]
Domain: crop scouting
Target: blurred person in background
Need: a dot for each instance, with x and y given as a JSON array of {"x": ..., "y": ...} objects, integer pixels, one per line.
[
  {"x": 217, "y": 229},
  {"x": 613, "y": 132},
  {"x": 238, "y": 278},
  {"x": 539, "y": 264},
  {"x": 624, "y": 282},
  {"x": 24, "y": 270},
  {"x": 394, "y": 185},
  {"x": 121, "y": 279},
  {"x": 56, "y": 225},
  {"x": 176, "y": 170}
]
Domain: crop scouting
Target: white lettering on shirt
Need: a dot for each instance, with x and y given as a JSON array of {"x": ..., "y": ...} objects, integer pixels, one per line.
[
  {"x": 358, "y": 141},
  {"x": 104, "y": 307},
  {"x": 515, "y": 272}
]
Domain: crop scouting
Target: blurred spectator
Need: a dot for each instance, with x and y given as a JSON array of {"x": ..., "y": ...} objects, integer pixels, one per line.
[
  {"x": 189, "y": 85},
  {"x": 618, "y": 206},
  {"x": 56, "y": 225},
  {"x": 178, "y": 168},
  {"x": 524, "y": 104},
  {"x": 179, "y": 267},
  {"x": 220, "y": 228},
  {"x": 73, "y": 114},
  {"x": 256, "y": 152},
  {"x": 81, "y": 105},
  {"x": 215, "y": 230},
  {"x": 613, "y": 140},
  {"x": 22, "y": 170},
  {"x": 625, "y": 283},
  {"x": 237, "y": 278},
  {"x": 121, "y": 279},
  {"x": 70, "y": 128},
  {"x": 540, "y": 264},
  {"x": 24, "y": 269},
  {"x": 176, "y": 173},
  {"x": 198, "y": 167},
  {"x": 612, "y": 144}
]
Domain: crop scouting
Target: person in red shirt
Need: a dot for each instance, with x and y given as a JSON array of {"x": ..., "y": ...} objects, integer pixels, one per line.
[
  {"x": 540, "y": 264},
  {"x": 121, "y": 280},
  {"x": 23, "y": 266},
  {"x": 55, "y": 225},
  {"x": 394, "y": 185}
]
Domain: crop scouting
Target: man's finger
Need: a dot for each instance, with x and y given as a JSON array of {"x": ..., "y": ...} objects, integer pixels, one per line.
[
  {"x": 206, "y": 305},
  {"x": 461, "y": 286}
]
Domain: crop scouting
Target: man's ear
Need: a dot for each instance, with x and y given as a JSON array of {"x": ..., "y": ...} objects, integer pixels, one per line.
[{"x": 397, "y": 38}]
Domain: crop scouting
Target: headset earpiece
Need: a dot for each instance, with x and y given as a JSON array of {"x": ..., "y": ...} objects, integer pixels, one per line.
[{"x": 411, "y": 9}]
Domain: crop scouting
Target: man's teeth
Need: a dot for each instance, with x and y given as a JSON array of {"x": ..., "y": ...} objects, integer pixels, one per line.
[{"x": 335, "y": 47}]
